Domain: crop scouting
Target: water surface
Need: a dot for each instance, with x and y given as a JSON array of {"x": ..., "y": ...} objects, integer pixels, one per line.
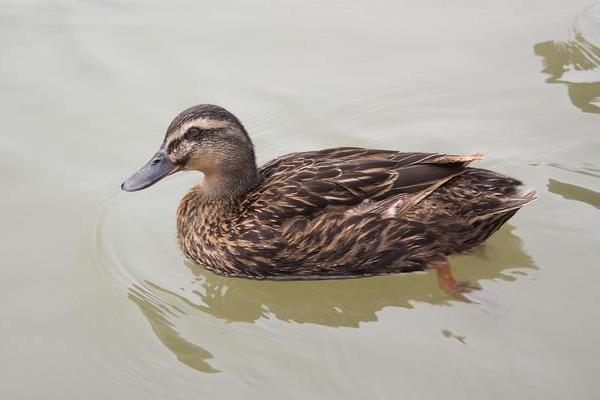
[{"x": 98, "y": 301}]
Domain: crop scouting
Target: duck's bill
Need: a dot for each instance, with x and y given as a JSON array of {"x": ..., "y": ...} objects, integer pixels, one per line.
[{"x": 157, "y": 168}]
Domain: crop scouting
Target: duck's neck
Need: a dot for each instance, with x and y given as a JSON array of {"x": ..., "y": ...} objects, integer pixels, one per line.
[
  {"x": 231, "y": 181},
  {"x": 202, "y": 215}
]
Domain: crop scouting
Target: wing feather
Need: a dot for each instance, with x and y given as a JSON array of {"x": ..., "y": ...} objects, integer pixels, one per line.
[{"x": 302, "y": 184}]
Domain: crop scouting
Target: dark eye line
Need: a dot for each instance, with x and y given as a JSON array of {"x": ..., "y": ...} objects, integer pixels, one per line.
[
  {"x": 174, "y": 144},
  {"x": 193, "y": 133}
]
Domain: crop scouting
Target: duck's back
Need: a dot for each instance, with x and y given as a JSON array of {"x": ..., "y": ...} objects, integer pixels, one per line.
[{"x": 311, "y": 182}]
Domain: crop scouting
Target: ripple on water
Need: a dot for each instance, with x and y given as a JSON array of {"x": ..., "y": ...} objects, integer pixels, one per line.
[
  {"x": 576, "y": 62},
  {"x": 570, "y": 191}
]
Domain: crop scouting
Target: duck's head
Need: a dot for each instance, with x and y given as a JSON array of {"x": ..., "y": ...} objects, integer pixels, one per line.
[{"x": 204, "y": 138}]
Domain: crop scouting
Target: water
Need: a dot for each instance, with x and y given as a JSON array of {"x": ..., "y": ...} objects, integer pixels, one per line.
[{"x": 98, "y": 301}]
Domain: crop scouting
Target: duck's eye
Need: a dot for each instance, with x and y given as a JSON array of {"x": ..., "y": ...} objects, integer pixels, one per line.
[{"x": 193, "y": 133}]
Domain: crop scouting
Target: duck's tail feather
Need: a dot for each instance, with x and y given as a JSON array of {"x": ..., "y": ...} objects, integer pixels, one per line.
[
  {"x": 485, "y": 224},
  {"x": 512, "y": 203}
]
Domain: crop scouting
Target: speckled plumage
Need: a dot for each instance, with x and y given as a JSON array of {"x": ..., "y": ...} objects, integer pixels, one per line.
[{"x": 347, "y": 212}]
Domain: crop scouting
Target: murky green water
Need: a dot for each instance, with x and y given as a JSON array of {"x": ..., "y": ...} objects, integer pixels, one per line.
[{"x": 97, "y": 300}]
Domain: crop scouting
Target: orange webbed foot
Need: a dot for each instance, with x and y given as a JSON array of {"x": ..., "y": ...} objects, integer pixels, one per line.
[{"x": 447, "y": 282}]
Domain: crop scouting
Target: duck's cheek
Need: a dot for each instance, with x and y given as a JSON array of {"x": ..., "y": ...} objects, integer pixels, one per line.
[{"x": 202, "y": 164}]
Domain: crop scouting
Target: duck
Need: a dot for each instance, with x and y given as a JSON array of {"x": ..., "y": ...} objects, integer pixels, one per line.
[{"x": 345, "y": 212}]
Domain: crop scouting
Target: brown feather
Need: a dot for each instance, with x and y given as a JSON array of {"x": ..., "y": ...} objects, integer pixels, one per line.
[{"x": 347, "y": 212}]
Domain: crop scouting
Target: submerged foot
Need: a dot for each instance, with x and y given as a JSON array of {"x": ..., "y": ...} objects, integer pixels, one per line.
[{"x": 447, "y": 282}]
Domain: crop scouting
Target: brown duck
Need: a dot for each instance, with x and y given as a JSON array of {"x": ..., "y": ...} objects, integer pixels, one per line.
[{"x": 335, "y": 213}]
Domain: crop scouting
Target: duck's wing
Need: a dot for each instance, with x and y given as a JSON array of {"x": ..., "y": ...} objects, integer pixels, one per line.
[{"x": 303, "y": 184}]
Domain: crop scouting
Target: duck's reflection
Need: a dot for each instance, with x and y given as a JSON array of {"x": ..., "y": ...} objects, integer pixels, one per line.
[
  {"x": 576, "y": 63},
  {"x": 334, "y": 303},
  {"x": 159, "y": 314}
]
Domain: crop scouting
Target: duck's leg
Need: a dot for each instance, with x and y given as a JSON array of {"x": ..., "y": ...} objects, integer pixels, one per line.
[{"x": 447, "y": 282}]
